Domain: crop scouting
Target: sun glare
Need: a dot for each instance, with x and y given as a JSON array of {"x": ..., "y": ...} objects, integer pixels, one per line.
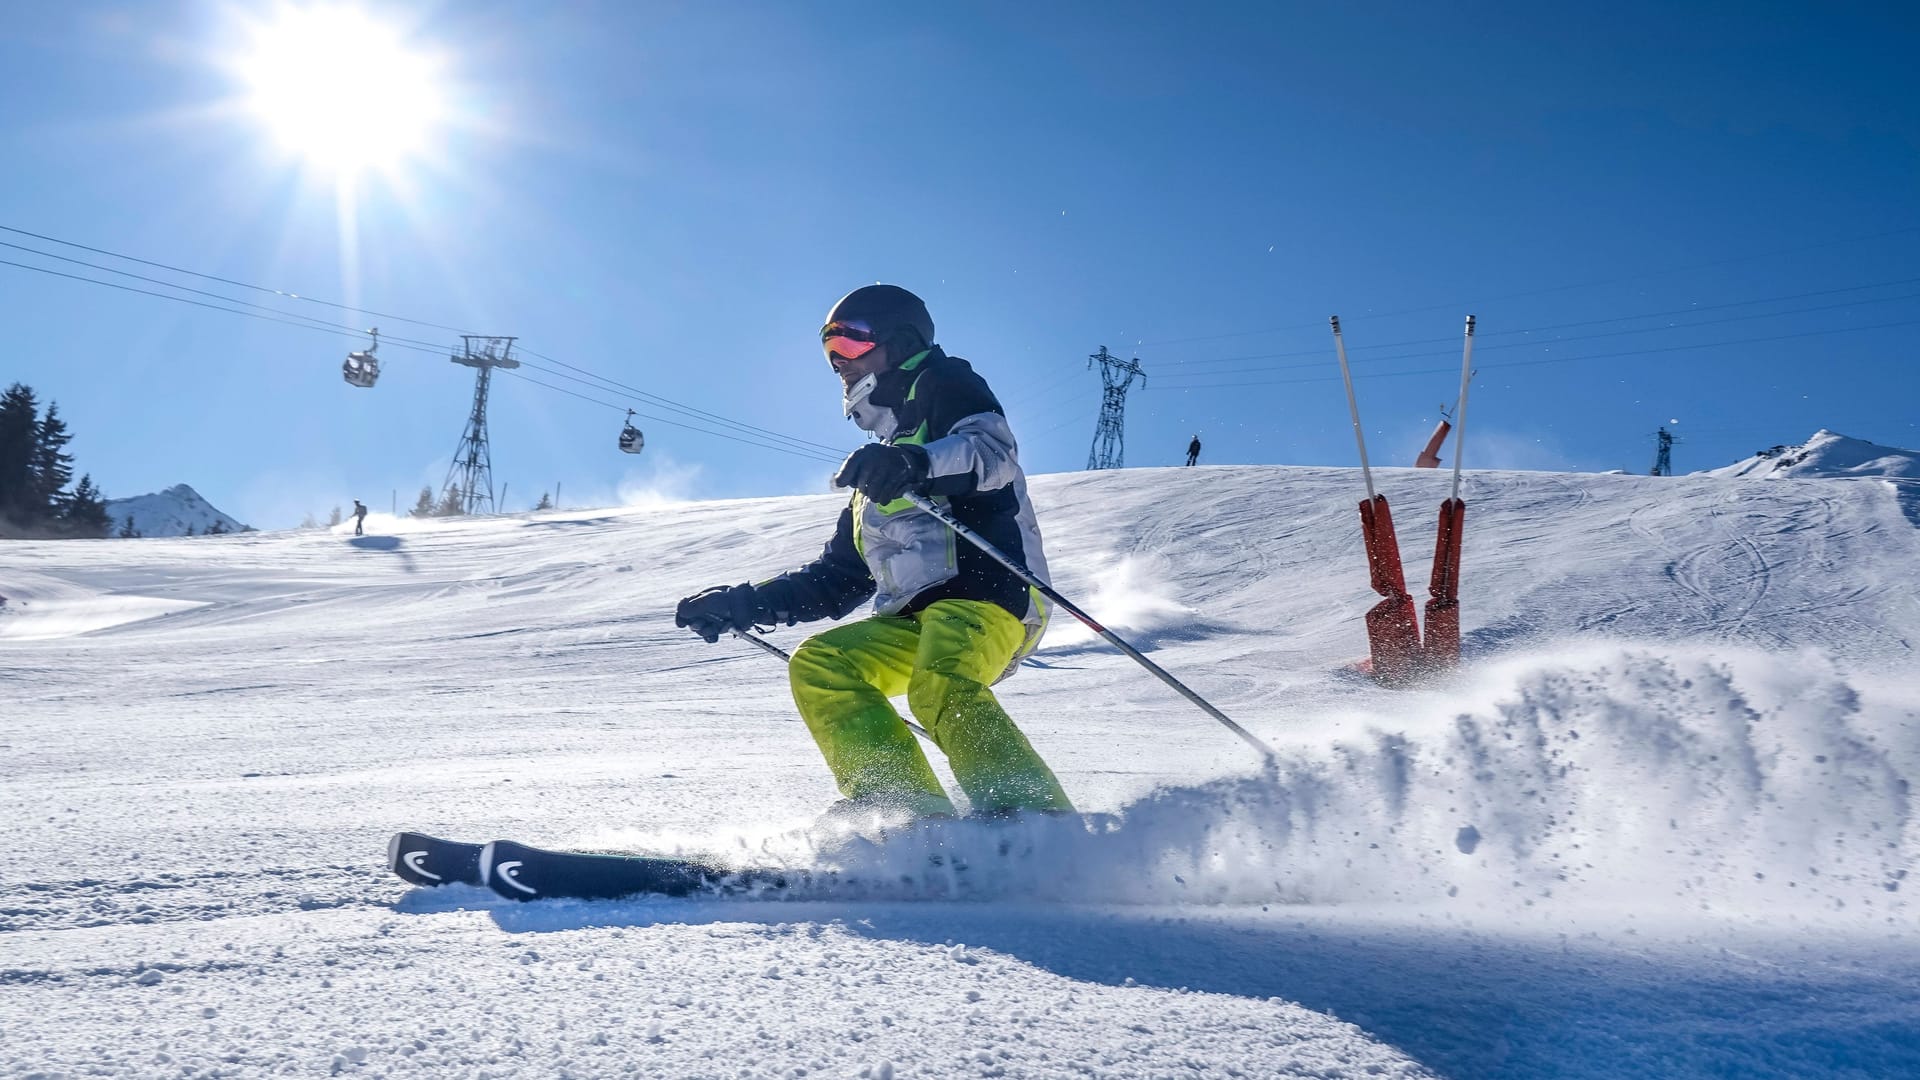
[{"x": 341, "y": 91}]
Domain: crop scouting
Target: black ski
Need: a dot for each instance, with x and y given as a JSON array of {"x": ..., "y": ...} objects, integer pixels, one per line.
[
  {"x": 420, "y": 859},
  {"x": 520, "y": 872}
]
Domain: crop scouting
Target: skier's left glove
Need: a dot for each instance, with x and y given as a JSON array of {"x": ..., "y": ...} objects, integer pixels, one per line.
[
  {"x": 883, "y": 472},
  {"x": 717, "y": 610}
]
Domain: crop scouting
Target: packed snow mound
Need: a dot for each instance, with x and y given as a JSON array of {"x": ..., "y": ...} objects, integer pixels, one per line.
[
  {"x": 1827, "y": 454},
  {"x": 36, "y": 607},
  {"x": 177, "y": 511}
]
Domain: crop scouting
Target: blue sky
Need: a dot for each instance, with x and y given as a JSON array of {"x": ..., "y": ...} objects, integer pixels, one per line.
[{"x": 1705, "y": 216}]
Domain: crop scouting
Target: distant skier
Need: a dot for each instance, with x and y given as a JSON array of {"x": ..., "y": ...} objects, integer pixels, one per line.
[
  {"x": 950, "y": 622},
  {"x": 1193, "y": 451},
  {"x": 359, "y": 518}
]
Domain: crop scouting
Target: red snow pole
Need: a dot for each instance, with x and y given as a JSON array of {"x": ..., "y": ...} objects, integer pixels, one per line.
[
  {"x": 1442, "y": 646},
  {"x": 1393, "y": 637},
  {"x": 1430, "y": 457}
]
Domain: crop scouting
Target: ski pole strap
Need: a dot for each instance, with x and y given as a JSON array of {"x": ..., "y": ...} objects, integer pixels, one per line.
[
  {"x": 774, "y": 650},
  {"x": 947, "y": 519}
]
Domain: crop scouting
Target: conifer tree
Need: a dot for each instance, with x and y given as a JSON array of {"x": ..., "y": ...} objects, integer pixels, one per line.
[
  {"x": 19, "y": 423},
  {"x": 451, "y": 505},
  {"x": 52, "y": 466},
  {"x": 333, "y": 518},
  {"x": 127, "y": 531},
  {"x": 423, "y": 507},
  {"x": 85, "y": 512},
  {"x": 546, "y": 502}
]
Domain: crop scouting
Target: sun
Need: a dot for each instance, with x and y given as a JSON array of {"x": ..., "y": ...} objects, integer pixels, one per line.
[{"x": 341, "y": 91}]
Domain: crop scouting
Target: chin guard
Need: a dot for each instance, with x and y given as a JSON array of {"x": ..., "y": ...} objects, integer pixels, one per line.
[{"x": 857, "y": 394}]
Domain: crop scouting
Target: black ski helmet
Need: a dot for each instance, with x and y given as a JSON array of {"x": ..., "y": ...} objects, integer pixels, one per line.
[{"x": 898, "y": 318}]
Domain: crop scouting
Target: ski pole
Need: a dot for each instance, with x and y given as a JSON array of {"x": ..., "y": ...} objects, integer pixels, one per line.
[
  {"x": 775, "y": 650},
  {"x": 1113, "y": 639}
]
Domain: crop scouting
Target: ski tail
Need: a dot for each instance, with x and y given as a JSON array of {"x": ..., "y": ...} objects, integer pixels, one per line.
[{"x": 419, "y": 859}]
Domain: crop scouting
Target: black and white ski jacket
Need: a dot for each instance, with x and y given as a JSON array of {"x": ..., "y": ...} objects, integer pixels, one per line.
[{"x": 904, "y": 557}]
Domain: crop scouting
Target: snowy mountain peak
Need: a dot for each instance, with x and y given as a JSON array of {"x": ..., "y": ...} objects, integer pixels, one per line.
[
  {"x": 177, "y": 511},
  {"x": 1826, "y": 454}
]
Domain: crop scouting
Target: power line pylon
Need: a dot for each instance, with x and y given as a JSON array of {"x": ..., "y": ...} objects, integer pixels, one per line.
[
  {"x": 1109, "y": 439},
  {"x": 471, "y": 474},
  {"x": 1663, "y": 457}
]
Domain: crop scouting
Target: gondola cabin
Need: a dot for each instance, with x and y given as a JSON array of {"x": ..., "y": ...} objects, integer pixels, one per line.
[
  {"x": 631, "y": 441},
  {"x": 362, "y": 368}
]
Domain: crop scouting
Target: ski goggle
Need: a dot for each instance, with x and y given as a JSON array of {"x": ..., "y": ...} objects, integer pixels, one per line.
[{"x": 851, "y": 339}]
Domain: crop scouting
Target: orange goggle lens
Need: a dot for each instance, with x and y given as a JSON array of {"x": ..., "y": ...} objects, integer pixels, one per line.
[
  {"x": 851, "y": 338},
  {"x": 851, "y": 348}
]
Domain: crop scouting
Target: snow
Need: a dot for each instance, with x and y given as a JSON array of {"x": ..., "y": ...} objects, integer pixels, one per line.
[
  {"x": 169, "y": 513},
  {"x": 1661, "y": 824},
  {"x": 1828, "y": 454}
]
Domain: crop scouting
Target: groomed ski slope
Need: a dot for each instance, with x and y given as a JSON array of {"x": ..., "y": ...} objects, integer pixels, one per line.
[{"x": 1662, "y": 824}]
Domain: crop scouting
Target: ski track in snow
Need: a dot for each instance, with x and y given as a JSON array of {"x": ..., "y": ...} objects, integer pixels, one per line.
[{"x": 1662, "y": 825}]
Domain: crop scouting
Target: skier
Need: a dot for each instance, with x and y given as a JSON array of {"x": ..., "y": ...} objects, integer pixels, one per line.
[
  {"x": 1193, "y": 450},
  {"x": 359, "y": 518},
  {"x": 949, "y": 622}
]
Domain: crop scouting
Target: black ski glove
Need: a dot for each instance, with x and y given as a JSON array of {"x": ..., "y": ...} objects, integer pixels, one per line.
[
  {"x": 882, "y": 472},
  {"x": 718, "y": 610}
]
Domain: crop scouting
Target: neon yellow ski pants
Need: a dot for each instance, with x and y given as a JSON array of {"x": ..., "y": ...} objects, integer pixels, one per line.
[{"x": 943, "y": 658}]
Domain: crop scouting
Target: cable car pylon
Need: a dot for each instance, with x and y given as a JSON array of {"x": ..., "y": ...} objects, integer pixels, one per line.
[{"x": 470, "y": 477}]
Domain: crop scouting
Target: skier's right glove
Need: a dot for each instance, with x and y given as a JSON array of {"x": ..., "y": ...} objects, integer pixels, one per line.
[{"x": 719, "y": 610}]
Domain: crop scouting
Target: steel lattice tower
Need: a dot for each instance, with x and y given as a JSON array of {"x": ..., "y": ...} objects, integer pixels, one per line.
[
  {"x": 1663, "y": 457},
  {"x": 1109, "y": 440},
  {"x": 471, "y": 474}
]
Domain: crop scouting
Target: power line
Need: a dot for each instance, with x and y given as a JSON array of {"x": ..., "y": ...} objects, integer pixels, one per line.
[
  {"x": 230, "y": 281},
  {"x": 1559, "y": 288},
  {"x": 1559, "y": 359},
  {"x": 306, "y": 322},
  {"x": 309, "y": 325},
  {"x": 1567, "y": 325},
  {"x": 686, "y": 409},
  {"x": 829, "y": 459},
  {"x": 1565, "y": 340},
  {"x": 810, "y": 449}
]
